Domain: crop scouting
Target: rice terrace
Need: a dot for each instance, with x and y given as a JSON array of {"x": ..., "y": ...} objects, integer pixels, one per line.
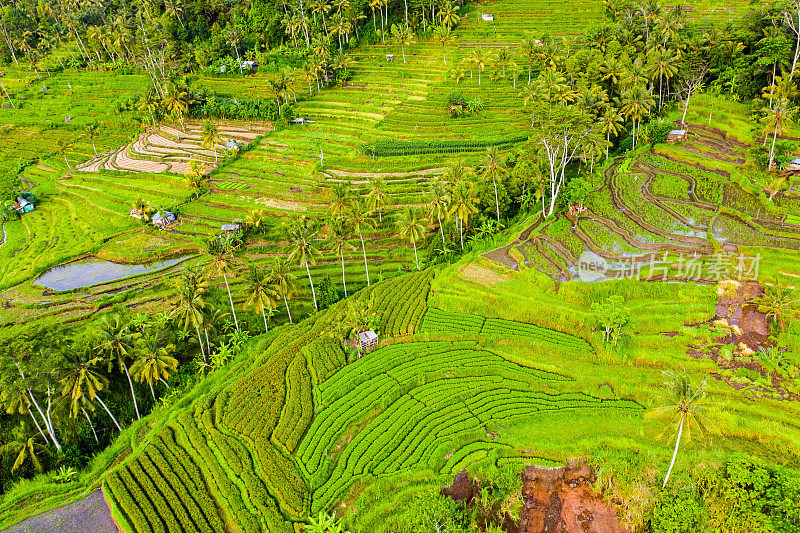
[{"x": 516, "y": 266}]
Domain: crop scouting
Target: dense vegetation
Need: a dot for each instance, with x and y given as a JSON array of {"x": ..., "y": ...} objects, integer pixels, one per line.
[{"x": 388, "y": 147}]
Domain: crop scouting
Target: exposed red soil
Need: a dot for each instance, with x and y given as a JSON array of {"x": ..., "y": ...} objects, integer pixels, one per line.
[{"x": 561, "y": 500}]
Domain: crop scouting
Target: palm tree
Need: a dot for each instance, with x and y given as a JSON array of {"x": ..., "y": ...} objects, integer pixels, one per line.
[
  {"x": 196, "y": 176},
  {"x": 662, "y": 63},
  {"x": 611, "y": 123},
  {"x": 463, "y": 200},
  {"x": 438, "y": 204},
  {"x": 209, "y": 137},
  {"x": 448, "y": 14},
  {"x": 402, "y": 37},
  {"x": 153, "y": 362},
  {"x": 637, "y": 102},
  {"x": 338, "y": 199},
  {"x": 91, "y": 132},
  {"x": 530, "y": 48},
  {"x": 302, "y": 235},
  {"x": 359, "y": 219},
  {"x": 116, "y": 344},
  {"x": 150, "y": 103},
  {"x": 79, "y": 380},
  {"x": 232, "y": 38},
  {"x": 479, "y": 59},
  {"x": 176, "y": 102},
  {"x": 444, "y": 36},
  {"x": 22, "y": 450},
  {"x": 493, "y": 169},
  {"x": 778, "y": 302},
  {"x": 261, "y": 294},
  {"x": 337, "y": 236},
  {"x": 192, "y": 307},
  {"x": 409, "y": 226},
  {"x": 377, "y": 198},
  {"x": 14, "y": 399},
  {"x": 256, "y": 219},
  {"x": 222, "y": 265},
  {"x": 683, "y": 410},
  {"x": 503, "y": 57},
  {"x": 284, "y": 282},
  {"x": 782, "y": 113}
]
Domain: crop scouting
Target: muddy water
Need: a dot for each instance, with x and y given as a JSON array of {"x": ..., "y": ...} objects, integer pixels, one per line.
[{"x": 88, "y": 272}]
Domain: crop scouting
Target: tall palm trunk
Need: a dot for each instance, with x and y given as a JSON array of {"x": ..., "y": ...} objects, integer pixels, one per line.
[
  {"x": 200, "y": 340},
  {"x": 772, "y": 148},
  {"x": 416, "y": 259},
  {"x": 133, "y": 394},
  {"x": 344, "y": 281},
  {"x": 36, "y": 422},
  {"x": 108, "y": 411},
  {"x": 47, "y": 425},
  {"x": 441, "y": 228},
  {"x": 90, "y": 424},
  {"x": 264, "y": 315},
  {"x": 496, "y": 200},
  {"x": 674, "y": 454},
  {"x": 364, "y": 249},
  {"x": 311, "y": 281},
  {"x": 230, "y": 299},
  {"x": 285, "y": 301}
]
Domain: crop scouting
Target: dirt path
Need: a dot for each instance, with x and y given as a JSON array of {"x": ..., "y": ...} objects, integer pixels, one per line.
[{"x": 88, "y": 515}]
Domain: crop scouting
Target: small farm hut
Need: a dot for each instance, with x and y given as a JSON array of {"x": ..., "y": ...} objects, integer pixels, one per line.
[
  {"x": 230, "y": 228},
  {"x": 232, "y": 144},
  {"x": 487, "y": 17},
  {"x": 252, "y": 66},
  {"x": 389, "y": 57},
  {"x": 21, "y": 205},
  {"x": 794, "y": 165},
  {"x": 163, "y": 218},
  {"x": 676, "y": 135},
  {"x": 367, "y": 340}
]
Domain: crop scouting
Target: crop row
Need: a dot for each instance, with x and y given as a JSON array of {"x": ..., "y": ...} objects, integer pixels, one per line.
[
  {"x": 394, "y": 148},
  {"x": 436, "y": 320},
  {"x": 298, "y": 408},
  {"x": 445, "y": 412},
  {"x": 325, "y": 357},
  {"x": 162, "y": 487},
  {"x": 402, "y": 302},
  {"x": 226, "y": 484}
]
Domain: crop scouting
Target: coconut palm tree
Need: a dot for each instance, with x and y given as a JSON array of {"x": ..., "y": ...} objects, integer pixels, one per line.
[
  {"x": 462, "y": 203},
  {"x": 359, "y": 219},
  {"x": 662, "y": 63},
  {"x": 22, "y": 450},
  {"x": 337, "y": 237},
  {"x": 636, "y": 103},
  {"x": 781, "y": 114},
  {"x": 261, "y": 293},
  {"x": 302, "y": 234},
  {"x": 284, "y": 282},
  {"x": 377, "y": 198},
  {"x": 232, "y": 37},
  {"x": 438, "y": 204},
  {"x": 402, "y": 37},
  {"x": 493, "y": 169},
  {"x": 480, "y": 59},
  {"x": 196, "y": 176},
  {"x": 256, "y": 220},
  {"x": 778, "y": 303},
  {"x": 444, "y": 36},
  {"x": 448, "y": 14},
  {"x": 338, "y": 199},
  {"x": 154, "y": 361},
  {"x": 611, "y": 123},
  {"x": 192, "y": 307},
  {"x": 116, "y": 343},
  {"x": 176, "y": 102},
  {"x": 14, "y": 399},
  {"x": 409, "y": 226},
  {"x": 91, "y": 132},
  {"x": 79, "y": 379},
  {"x": 209, "y": 137},
  {"x": 530, "y": 48},
  {"x": 222, "y": 264},
  {"x": 684, "y": 410}
]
